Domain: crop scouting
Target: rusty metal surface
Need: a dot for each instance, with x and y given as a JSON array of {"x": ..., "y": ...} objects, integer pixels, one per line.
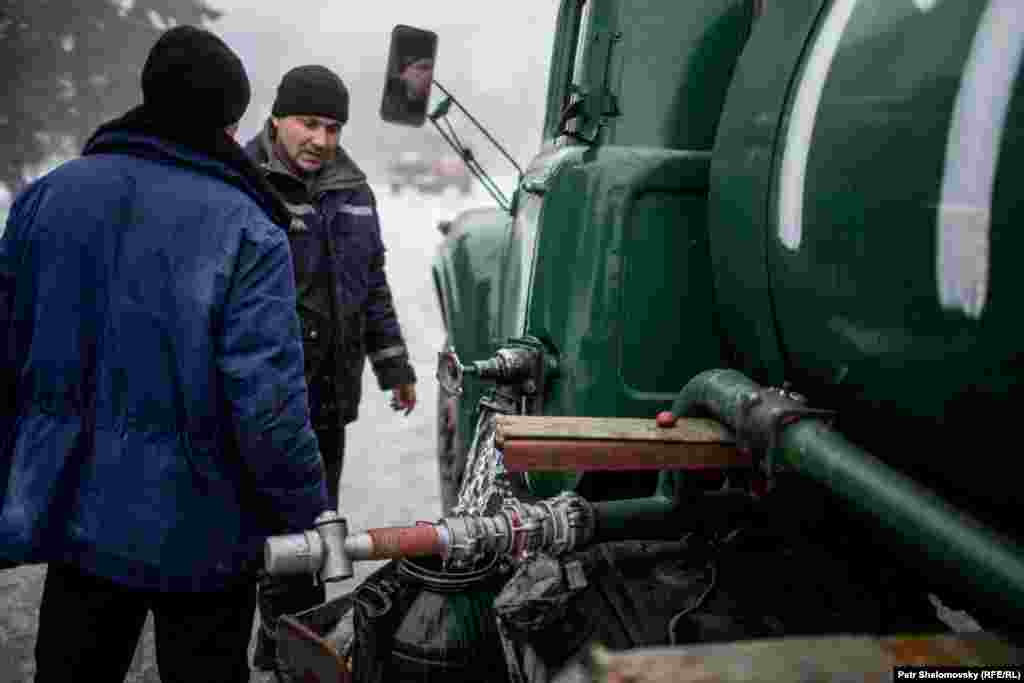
[
  {"x": 960, "y": 650},
  {"x": 410, "y": 541},
  {"x": 578, "y": 455},
  {"x": 838, "y": 659},
  {"x": 311, "y": 658}
]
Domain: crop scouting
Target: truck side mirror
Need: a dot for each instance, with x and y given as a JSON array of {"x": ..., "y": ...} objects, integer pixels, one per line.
[{"x": 410, "y": 76}]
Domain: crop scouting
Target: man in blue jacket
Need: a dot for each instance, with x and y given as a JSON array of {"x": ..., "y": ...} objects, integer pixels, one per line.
[
  {"x": 344, "y": 301},
  {"x": 154, "y": 427}
]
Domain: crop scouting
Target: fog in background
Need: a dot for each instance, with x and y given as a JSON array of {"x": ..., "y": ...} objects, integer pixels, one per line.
[{"x": 492, "y": 56}]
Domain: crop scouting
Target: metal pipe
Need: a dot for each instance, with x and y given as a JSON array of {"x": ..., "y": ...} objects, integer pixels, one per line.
[
  {"x": 481, "y": 128},
  {"x": 554, "y": 525},
  {"x": 655, "y": 517},
  {"x": 388, "y": 543},
  {"x": 641, "y": 518},
  {"x": 992, "y": 564},
  {"x": 476, "y": 170},
  {"x": 669, "y": 513}
]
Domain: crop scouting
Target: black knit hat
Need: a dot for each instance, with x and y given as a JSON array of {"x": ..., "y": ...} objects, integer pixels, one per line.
[
  {"x": 194, "y": 77},
  {"x": 312, "y": 90}
]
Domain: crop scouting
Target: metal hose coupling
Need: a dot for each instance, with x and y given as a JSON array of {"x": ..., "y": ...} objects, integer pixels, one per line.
[
  {"x": 327, "y": 551},
  {"x": 508, "y": 365},
  {"x": 525, "y": 363},
  {"x": 319, "y": 551},
  {"x": 555, "y": 526}
]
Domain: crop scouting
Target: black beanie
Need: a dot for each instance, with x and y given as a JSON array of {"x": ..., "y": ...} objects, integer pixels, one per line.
[
  {"x": 194, "y": 77},
  {"x": 312, "y": 90}
]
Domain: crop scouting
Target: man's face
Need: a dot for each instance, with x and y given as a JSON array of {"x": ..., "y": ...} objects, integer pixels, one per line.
[
  {"x": 309, "y": 141},
  {"x": 417, "y": 77}
]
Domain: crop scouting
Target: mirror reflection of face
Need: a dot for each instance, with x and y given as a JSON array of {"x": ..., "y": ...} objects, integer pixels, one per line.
[
  {"x": 417, "y": 77},
  {"x": 310, "y": 142}
]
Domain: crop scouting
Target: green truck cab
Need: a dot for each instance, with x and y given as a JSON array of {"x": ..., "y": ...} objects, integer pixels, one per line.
[{"x": 611, "y": 212}]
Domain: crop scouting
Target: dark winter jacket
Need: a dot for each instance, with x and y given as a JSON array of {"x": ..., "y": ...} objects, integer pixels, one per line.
[
  {"x": 335, "y": 213},
  {"x": 154, "y": 426}
]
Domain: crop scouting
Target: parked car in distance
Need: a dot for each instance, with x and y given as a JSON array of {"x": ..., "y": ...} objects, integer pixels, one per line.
[{"x": 429, "y": 175}]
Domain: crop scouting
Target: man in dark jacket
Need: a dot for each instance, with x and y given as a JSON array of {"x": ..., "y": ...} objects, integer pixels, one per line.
[
  {"x": 154, "y": 428},
  {"x": 344, "y": 301}
]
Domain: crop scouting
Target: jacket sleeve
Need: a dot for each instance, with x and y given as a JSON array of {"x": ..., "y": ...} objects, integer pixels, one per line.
[
  {"x": 385, "y": 346},
  {"x": 261, "y": 362},
  {"x": 11, "y": 248}
]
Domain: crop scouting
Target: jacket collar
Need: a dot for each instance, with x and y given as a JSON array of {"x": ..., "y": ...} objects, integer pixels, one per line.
[
  {"x": 149, "y": 146},
  {"x": 140, "y": 133}
]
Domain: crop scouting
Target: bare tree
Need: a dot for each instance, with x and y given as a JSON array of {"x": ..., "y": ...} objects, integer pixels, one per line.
[{"x": 69, "y": 65}]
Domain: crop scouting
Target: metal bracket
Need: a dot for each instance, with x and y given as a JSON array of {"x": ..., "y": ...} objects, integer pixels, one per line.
[
  {"x": 519, "y": 369},
  {"x": 764, "y": 413}
]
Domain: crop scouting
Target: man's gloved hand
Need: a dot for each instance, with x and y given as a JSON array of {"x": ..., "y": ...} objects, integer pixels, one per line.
[{"x": 403, "y": 397}]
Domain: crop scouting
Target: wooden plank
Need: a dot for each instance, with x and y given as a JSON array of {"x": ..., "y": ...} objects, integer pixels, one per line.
[
  {"x": 521, "y": 455},
  {"x": 686, "y": 430}
]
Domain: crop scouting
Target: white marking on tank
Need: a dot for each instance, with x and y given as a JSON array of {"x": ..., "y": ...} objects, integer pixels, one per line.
[
  {"x": 926, "y": 5},
  {"x": 972, "y": 156},
  {"x": 800, "y": 129}
]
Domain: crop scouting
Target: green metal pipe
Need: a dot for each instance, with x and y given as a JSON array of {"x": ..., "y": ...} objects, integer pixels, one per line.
[
  {"x": 668, "y": 514},
  {"x": 992, "y": 564},
  {"x": 949, "y": 537},
  {"x": 639, "y": 518},
  {"x": 635, "y": 518}
]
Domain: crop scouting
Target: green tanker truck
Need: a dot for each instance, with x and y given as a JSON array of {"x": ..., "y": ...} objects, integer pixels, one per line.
[{"x": 728, "y": 377}]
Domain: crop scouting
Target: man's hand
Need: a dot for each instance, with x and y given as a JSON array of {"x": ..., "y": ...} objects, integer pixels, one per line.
[{"x": 403, "y": 397}]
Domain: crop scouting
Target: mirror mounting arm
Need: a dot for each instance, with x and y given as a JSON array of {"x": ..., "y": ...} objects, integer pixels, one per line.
[
  {"x": 441, "y": 111},
  {"x": 472, "y": 164},
  {"x": 479, "y": 127}
]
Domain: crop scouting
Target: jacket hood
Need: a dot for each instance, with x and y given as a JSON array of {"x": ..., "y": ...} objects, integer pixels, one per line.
[
  {"x": 147, "y": 145},
  {"x": 340, "y": 174}
]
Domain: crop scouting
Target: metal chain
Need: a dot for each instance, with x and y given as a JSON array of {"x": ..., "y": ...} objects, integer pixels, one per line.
[{"x": 485, "y": 484}]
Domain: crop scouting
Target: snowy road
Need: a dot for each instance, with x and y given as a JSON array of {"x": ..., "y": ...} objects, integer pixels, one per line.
[{"x": 390, "y": 473}]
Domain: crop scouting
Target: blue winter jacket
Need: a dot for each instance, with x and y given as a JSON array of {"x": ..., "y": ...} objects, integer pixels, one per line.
[{"x": 154, "y": 426}]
